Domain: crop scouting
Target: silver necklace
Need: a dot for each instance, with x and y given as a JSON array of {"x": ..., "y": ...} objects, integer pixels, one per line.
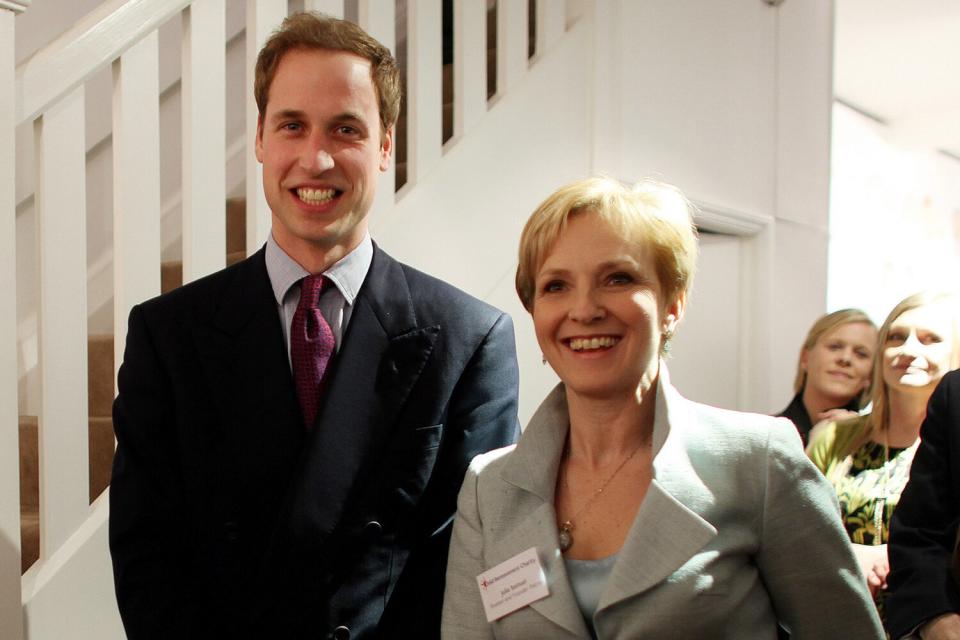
[{"x": 565, "y": 530}]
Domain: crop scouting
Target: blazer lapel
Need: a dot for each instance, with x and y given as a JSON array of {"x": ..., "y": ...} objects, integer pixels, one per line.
[
  {"x": 383, "y": 354},
  {"x": 665, "y": 533},
  {"x": 532, "y": 468},
  {"x": 245, "y": 360}
]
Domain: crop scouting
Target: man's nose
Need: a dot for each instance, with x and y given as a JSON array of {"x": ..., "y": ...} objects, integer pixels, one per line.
[{"x": 316, "y": 159}]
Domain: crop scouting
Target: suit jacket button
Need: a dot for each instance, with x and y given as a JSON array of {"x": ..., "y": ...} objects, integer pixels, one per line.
[
  {"x": 341, "y": 633},
  {"x": 372, "y": 529},
  {"x": 231, "y": 531}
]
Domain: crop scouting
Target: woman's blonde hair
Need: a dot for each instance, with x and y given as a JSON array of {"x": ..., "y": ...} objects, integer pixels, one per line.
[
  {"x": 824, "y": 325},
  {"x": 649, "y": 213},
  {"x": 880, "y": 395}
]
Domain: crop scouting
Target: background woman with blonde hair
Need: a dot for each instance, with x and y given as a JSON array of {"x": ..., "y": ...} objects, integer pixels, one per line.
[
  {"x": 868, "y": 458},
  {"x": 833, "y": 370}
]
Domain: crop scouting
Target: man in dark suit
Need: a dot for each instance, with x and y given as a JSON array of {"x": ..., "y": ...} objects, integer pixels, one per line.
[
  {"x": 290, "y": 447},
  {"x": 925, "y": 598}
]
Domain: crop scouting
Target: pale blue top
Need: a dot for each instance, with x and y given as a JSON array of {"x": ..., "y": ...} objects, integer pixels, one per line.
[{"x": 588, "y": 579}]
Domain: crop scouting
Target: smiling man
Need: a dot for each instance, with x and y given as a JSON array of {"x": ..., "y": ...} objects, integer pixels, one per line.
[{"x": 293, "y": 430}]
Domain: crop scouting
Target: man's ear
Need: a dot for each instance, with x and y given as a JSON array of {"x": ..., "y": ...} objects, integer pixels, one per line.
[
  {"x": 258, "y": 143},
  {"x": 386, "y": 148}
]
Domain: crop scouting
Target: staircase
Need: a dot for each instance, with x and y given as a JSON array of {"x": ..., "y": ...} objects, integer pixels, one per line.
[{"x": 442, "y": 145}]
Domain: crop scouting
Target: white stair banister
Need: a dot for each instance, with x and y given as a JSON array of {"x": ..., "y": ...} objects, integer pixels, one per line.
[
  {"x": 61, "y": 221},
  {"x": 470, "y": 64},
  {"x": 263, "y": 16},
  {"x": 203, "y": 102},
  {"x": 551, "y": 23},
  {"x": 332, "y": 8},
  {"x": 11, "y": 619},
  {"x": 424, "y": 90},
  {"x": 136, "y": 183},
  {"x": 379, "y": 20},
  {"x": 83, "y": 49},
  {"x": 511, "y": 43}
]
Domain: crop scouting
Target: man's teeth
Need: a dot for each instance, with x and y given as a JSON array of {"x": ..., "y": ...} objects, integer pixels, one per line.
[
  {"x": 582, "y": 344},
  {"x": 315, "y": 196}
]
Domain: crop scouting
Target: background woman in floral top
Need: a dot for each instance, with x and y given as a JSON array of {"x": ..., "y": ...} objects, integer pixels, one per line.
[{"x": 867, "y": 458}]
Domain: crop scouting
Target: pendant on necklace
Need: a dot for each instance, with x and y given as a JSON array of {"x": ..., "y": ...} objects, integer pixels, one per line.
[{"x": 566, "y": 538}]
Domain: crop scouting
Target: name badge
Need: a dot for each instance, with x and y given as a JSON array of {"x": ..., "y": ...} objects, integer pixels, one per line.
[{"x": 512, "y": 584}]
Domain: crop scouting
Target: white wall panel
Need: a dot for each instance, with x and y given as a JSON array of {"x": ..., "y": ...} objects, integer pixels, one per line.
[{"x": 698, "y": 98}]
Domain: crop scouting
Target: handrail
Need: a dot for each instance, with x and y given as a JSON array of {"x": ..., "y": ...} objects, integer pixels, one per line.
[{"x": 94, "y": 42}]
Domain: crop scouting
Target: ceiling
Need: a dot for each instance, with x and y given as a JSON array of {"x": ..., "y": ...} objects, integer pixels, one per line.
[{"x": 899, "y": 62}]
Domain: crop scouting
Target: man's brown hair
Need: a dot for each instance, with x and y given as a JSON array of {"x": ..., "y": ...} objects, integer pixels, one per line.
[{"x": 316, "y": 31}]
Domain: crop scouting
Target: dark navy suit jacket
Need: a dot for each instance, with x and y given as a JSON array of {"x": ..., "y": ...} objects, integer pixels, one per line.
[
  {"x": 229, "y": 519},
  {"x": 924, "y": 526}
]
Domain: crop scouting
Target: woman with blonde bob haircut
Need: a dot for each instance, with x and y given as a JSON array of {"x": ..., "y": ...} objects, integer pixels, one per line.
[
  {"x": 867, "y": 459},
  {"x": 625, "y": 507},
  {"x": 833, "y": 370}
]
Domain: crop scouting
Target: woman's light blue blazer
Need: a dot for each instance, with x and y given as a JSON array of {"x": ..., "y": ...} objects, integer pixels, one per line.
[{"x": 737, "y": 531}]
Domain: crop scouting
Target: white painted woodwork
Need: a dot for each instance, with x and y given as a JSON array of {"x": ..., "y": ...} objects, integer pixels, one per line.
[
  {"x": 203, "y": 104},
  {"x": 11, "y": 625},
  {"x": 333, "y": 8},
  {"x": 88, "y": 46},
  {"x": 379, "y": 20},
  {"x": 70, "y": 594},
  {"x": 61, "y": 220},
  {"x": 424, "y": 96},
  {"x": 136, "y": 183},
  {"x": 551, "y": 23},
  {"x": 701, "y": 117},
  {"x": 713, "y": 309},
  {"x": 263, "y": 16},
  {"x": 16, "y": 6},
  {"x": 469, "y": 64},
  {"x": 804, "y": 111},
  {"x": 512, "y": 43}
]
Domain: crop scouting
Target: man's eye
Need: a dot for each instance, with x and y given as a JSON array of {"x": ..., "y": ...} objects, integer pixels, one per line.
[
  {"x": 347, "y": 130},
  {"x": 291, "y": 126}
]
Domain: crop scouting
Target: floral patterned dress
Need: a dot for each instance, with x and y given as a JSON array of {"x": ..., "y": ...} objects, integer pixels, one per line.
[{"x": 868, "y": 481}]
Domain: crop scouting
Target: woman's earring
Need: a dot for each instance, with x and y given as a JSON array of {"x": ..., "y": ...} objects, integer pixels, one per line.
[
  {"x": 667, "y": 337},
  {"x": 543, "y": 359}
]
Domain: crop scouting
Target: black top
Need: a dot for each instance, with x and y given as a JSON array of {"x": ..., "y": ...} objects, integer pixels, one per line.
[{"x": 797, "y": 414}]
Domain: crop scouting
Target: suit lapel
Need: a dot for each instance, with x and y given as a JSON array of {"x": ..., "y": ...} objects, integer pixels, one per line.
[
  {"x": 245, "y": 360},
  {"x": 383, "y": 354},
  {"x": 665, "y": 533},
  {"x": 532, "y": 468}
]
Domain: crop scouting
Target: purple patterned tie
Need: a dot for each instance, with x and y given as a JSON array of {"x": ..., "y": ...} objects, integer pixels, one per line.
[{"x": 311, "y": 347}]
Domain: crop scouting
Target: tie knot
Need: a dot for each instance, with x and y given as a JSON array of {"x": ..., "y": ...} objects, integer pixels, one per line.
[{"x": 310, "y": 289}]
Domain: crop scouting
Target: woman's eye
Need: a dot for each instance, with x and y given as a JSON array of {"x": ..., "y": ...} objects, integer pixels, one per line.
[
  {"x": 552, "y": 286},
  {"x": 896, "y": 337},
  {"x": 863, "y": 355},
  {"x": 620, "y": 278},
  {"x": 835, "y": 346},
  {"x": 930, "y": 338}
]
